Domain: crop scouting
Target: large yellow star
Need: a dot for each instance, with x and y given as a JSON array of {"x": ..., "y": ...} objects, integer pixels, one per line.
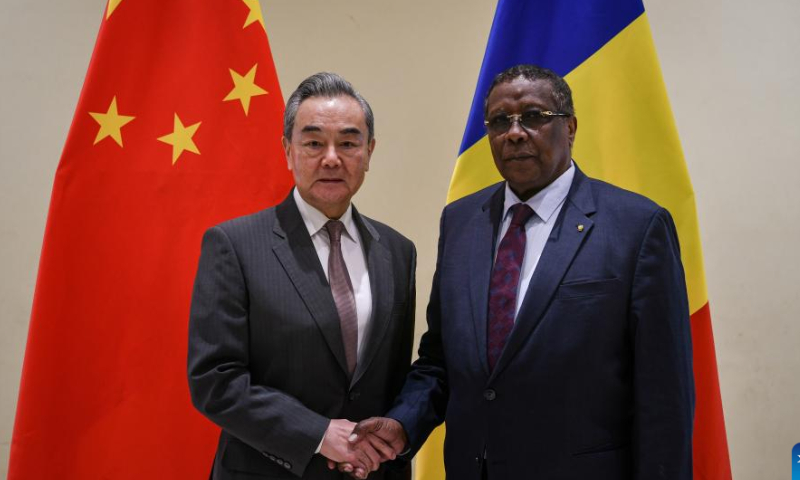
[
  {"x": 112, "y": 5},
  {"x": 245, "y": 88},
  {"x": 111, "y": 123},
  {"x": 181, "y": 139},
  {"x": 255, "y": 13}
]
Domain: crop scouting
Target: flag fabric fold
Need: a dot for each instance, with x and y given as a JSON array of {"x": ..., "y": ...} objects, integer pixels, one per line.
[
  {"x": 177, "y": 128},
  {"x": 626, "y": 136}
]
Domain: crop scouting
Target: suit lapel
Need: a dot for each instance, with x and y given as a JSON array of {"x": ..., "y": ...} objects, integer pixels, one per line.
[
  {"x": 299, "y": 258},
  {"x": 563, "y": 244},
  {"x": 381, "y": 280},
  {"x": 486, "y": 224}
]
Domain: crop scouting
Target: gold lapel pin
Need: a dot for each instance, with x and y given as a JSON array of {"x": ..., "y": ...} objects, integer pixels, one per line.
[{"x": 580, "y": 228}]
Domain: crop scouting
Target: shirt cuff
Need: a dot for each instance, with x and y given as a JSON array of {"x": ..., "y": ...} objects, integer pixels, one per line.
[{"x": 319, "y": 447}]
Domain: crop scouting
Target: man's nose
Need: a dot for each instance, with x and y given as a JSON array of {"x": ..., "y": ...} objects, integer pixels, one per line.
[
  {"x": 331, "y": 158},
  {"x": 516, "y": 133}
]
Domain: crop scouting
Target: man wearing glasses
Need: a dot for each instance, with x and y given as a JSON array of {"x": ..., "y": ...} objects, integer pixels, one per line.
[{"x": 558, "y": 342}]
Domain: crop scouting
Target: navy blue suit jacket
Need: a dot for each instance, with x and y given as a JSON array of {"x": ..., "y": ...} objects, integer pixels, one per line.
[{"x": 595, "y": 380}]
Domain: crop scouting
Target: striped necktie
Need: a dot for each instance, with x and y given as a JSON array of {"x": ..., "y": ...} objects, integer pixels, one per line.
[{"x": 342, "y": 290}]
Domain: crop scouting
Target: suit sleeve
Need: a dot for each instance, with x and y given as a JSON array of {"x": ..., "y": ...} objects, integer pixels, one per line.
[
  {"x": 663, "y": 379},
  {"x": 408, "y": 332},
  {"x": 397, "y": 468},
  {"x": 267, "y": 419},
  {"x": 421, "y": 405}
]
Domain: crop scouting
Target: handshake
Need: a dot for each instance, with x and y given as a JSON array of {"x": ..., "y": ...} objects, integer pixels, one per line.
[{"x": 359, "y": 449}]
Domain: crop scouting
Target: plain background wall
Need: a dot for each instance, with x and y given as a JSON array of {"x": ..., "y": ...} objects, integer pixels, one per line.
[{"x": 731, "y": 74}]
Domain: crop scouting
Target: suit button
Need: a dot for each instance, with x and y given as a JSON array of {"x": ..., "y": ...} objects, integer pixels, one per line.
[
  {"x": 489, "y": 394},
  {"x": 354, "y": 396},
  {"x": 478, "y": 460},
  {"x": 280, "y": 462},
  {"x": 288, "y": 465}
]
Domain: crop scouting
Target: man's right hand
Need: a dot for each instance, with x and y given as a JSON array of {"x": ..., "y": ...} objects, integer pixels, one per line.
[
  {"x": 337, "y": 449},
  {"x": 385, "y": 436}
]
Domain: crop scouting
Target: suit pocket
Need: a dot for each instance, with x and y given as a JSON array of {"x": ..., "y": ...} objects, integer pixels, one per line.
[
  {"x": 588, "y": 288},
  {"x": 604, "y": 447},
  {"x": 611, "y": 460}
]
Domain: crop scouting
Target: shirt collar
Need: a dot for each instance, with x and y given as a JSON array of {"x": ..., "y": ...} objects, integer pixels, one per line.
[
  {"x": 316, "y": 220},
  {"x": 548, "y": 199}
]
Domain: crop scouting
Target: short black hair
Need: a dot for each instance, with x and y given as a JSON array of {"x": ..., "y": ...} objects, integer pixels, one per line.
[
  {"x": 561, "y": 91},
  {"x": 328, "y": 85}
]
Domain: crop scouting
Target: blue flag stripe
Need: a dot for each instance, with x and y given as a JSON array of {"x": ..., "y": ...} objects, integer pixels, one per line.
[{"x": 556, "y": 34}]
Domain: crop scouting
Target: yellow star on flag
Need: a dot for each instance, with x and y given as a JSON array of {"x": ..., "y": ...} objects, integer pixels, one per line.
[
  {"x": 245, "y": 88},
  {"x": 255, "y": 13},
  {"x": 181, "y": 139},
  {"x": 112, "y": 5},
  {"x": 111, "y": 123}
]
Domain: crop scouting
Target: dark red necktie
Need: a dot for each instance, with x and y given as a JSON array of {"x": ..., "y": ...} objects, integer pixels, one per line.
[{"x": 505, "y": 281}]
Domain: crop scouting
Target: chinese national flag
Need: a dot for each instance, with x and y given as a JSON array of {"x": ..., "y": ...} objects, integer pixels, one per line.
[{"x": 177, "y": 128}]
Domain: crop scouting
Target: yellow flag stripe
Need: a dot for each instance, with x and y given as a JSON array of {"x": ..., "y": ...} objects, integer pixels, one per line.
[
  {"x": 474, "y": 170},
  {"x": 430, "y": 460},
  {"x": 627, "y": 137}
]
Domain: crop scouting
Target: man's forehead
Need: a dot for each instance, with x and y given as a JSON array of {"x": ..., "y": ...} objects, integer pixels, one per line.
[
  {"x": 521, "y": 89},
  {"x": 342, "y": 105},
  {"x": 341, "y": 114}
]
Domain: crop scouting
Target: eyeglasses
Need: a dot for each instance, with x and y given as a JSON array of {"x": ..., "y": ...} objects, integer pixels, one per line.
[{"x": 530, "y": 120}]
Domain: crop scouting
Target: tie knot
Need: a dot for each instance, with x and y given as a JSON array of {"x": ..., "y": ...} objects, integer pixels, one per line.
[
  {"x": 334, "y": 228},
  {"x": 520, "y": 214}
]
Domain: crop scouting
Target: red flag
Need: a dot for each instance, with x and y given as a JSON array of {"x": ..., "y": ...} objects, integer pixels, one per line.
[{"x": 177, "y": 128}]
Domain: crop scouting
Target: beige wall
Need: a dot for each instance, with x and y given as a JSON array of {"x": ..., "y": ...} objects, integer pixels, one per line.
[{"x": 731, "y": 76}]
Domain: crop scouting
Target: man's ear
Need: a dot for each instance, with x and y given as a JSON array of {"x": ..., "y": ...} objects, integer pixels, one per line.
[
  {"x": 287, "y": 149},
  {"x": 370, "y": 149},
  {"x": 572, "y": 126}
]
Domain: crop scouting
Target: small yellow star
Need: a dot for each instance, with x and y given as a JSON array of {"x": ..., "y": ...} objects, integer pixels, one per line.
[
  {"x": 245, "y": 88},
  {"x": 111, "y": 123},
  {"x": 181, "y": 139},
  {"x": 112, "y": 5},
  {"x": 255, "y": 13}
]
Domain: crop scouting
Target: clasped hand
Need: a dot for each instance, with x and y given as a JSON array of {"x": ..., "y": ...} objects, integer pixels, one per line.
[{"x": 358, "y": 449}]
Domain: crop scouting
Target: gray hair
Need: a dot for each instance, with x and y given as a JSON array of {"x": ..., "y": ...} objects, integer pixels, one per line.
[
  {"x": 561, "y": 91},
  {"x": 328, "y": 85}
]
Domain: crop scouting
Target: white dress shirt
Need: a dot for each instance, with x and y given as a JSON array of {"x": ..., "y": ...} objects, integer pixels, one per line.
[
  {"x": 546, "y": 205},
  {"x": 352, "y": 252}
]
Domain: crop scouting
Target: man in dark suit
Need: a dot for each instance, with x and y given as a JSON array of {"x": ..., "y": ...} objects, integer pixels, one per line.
[
  {"x": 303, "y": 314},
  {"x": 558, "y": 342}
]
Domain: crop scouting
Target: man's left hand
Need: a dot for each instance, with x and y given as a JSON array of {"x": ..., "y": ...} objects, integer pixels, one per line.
[{"x": 384, "y": 435}]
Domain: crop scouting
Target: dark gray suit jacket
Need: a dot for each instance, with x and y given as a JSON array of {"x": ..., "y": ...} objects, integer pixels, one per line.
[{"x": 266, "y": 360}]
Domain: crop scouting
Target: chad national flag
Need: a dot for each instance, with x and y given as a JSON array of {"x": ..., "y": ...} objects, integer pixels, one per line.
[
  {"x": 627, "y": 137},
  {"x": 177, "y": 128}
]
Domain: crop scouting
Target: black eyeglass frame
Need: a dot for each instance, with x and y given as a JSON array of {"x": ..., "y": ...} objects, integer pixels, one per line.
[{"x": 547, "y": 115}]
